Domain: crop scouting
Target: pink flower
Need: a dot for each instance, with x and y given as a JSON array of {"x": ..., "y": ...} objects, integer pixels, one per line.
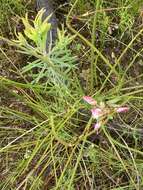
[
  {"x": 97, "y": 126},
  {"x": 96, "y": 113},
  {"x": 122, "y": 109},
  {"x": 89, "y": 100}
]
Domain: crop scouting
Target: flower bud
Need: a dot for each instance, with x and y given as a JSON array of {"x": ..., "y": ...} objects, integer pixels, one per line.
[
  {"x": 89, "y": 100},
  {"x": 96, "y": 113},
  {"x": 122, "y": 109}
]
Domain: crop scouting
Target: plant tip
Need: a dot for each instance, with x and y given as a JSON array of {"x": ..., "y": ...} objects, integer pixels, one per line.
[{"x": 89, "y": 100}]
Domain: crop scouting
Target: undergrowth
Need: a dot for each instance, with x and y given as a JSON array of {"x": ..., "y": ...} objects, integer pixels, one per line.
[
  {"x": 10, "y": 12},
  {"x": 48, "y": 134}
]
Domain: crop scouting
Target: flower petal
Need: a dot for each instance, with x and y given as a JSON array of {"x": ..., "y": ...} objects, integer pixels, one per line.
[
  {"x": 89, "y": 100},
  {"x": 122, "y": 109},
  {"x": 96, "y": 113},
  {"x": 97, "y": 126}
]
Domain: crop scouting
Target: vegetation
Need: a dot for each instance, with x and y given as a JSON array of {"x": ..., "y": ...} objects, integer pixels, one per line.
[{"x": 72, "y": 115}]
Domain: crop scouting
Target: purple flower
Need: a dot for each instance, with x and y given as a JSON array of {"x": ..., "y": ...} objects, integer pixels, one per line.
[
  {"x": 97, "y": 126},
  {"x": 101, "y": 112},
  {"x": 89, "y": 100},
  {"x": 96, "y": 113},
  {"x": 122, "y": 109}
]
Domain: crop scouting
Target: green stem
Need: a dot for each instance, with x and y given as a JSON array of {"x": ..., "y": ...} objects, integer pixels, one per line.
[{"x": 93, "y": 60}]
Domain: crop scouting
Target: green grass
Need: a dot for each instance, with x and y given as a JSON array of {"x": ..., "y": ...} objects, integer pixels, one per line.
[
  {"x": 10, "y": 12},
  {"x": 46, "y": 129}
]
